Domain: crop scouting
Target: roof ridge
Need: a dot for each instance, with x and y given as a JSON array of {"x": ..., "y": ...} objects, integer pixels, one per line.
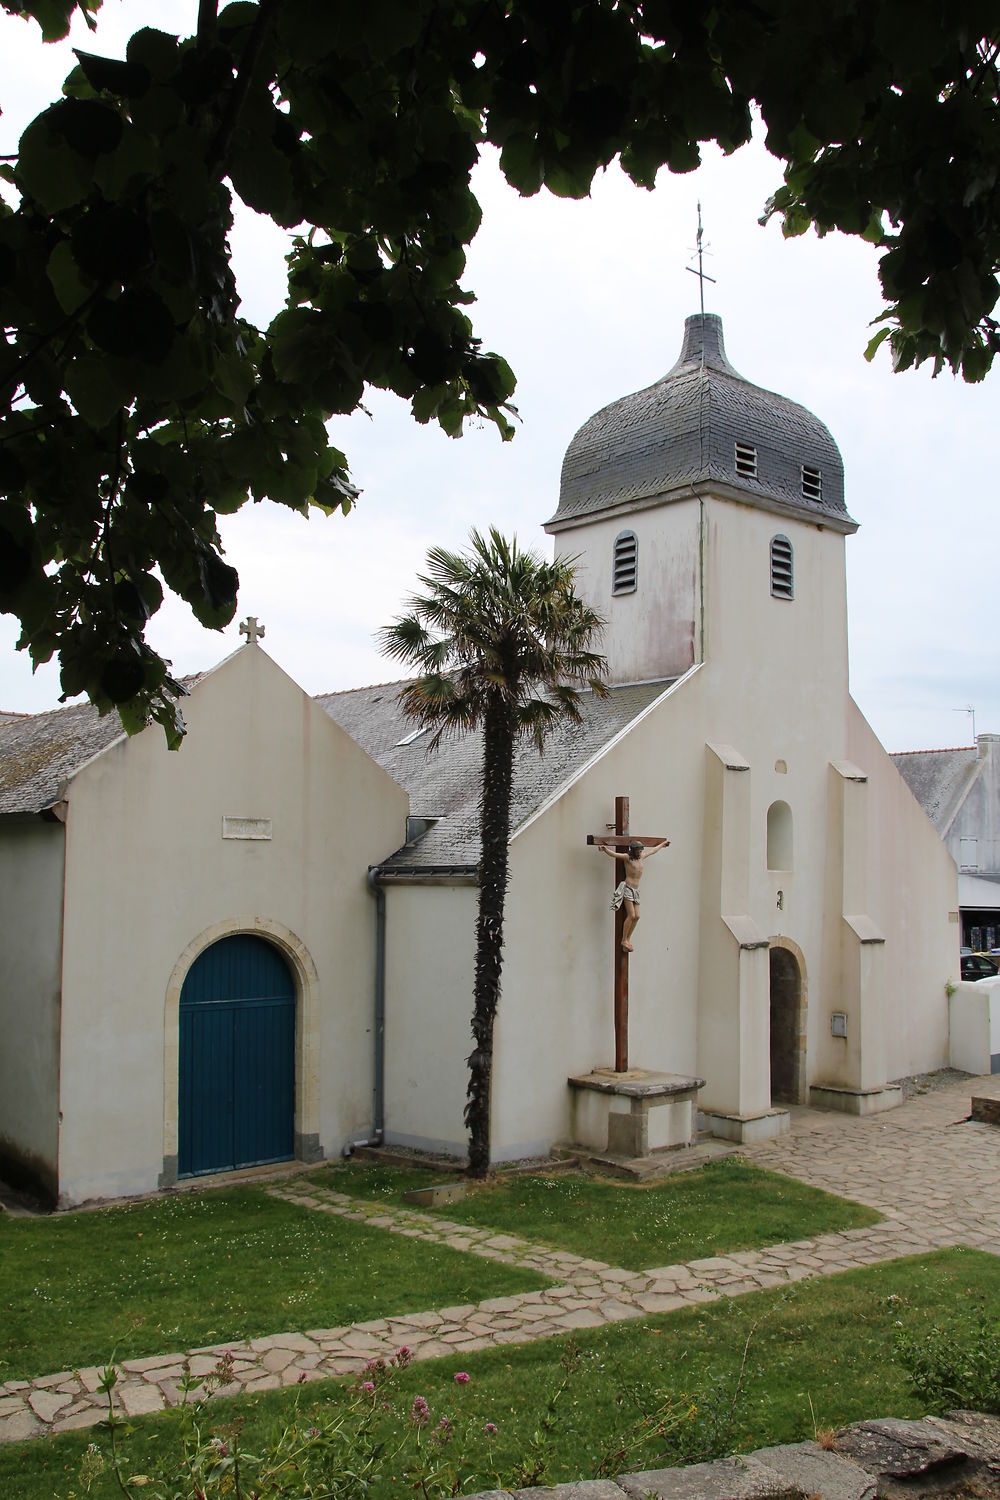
[
  {"x": 941, "y": 750},
  {"x": 364, "y": 687}
]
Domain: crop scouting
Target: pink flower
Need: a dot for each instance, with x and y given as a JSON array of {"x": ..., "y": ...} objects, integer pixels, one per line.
[
  {"x": 419, "y": 1411},
  {"x": 368, "y": 1386},
  {"x": 490, "y": 1429},
  {"x": 403, "y": 1355},
  {"x": 461, "y": 1378}
]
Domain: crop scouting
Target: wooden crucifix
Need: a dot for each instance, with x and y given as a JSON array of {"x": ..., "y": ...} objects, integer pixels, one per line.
[{"x": 619, "y": 843}]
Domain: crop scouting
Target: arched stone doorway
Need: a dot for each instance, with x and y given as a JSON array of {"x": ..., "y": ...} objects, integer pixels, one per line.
[
  {"x": 788, "y": 1025},
  {"x": 296, "y": 958},
  {"x": 236, "y": 1073}
]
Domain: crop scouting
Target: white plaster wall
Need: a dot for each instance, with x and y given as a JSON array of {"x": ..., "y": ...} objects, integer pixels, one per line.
[
  {"x": 31, "y": 887},
  {"x": 913, "y": 898},
  {"x": 774, "y": 685},
  {"x": 430, "y": 967},
  {"x": 654, "y": 632},
  {"x": 149, "y": 878},
  {"x": 978, "y": 816},
  {"x": 556, "y": 1011},
  {"x": 776, "y": 690},
  {"x": 974, "y": 1024}
]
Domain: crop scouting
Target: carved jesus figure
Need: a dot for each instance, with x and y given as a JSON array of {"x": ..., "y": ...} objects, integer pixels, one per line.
[{"x": 633, "y": 859}]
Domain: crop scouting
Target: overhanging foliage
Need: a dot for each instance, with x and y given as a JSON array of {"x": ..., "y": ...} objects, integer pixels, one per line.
[{"x": 136, "y": 404}]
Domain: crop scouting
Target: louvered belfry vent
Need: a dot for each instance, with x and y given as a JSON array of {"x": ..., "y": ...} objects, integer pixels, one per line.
[
  {"x": 781, "y": 568},
  {"x": 625, "y": 568},
  {"x": 812, "y": 483},
  {"x": 746, "y": 460}
]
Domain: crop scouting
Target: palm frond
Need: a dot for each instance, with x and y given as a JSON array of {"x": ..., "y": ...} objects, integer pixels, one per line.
[{"x": 496, "y": 624}]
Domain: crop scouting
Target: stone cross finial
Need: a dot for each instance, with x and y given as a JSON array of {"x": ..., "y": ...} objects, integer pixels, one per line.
[{"x": 251, "y": 630}]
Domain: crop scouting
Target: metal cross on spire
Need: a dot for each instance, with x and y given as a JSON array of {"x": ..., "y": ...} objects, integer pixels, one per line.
[{"x": 700, "y": 273}]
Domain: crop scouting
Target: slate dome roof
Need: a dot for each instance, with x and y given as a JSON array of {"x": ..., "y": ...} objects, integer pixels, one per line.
[{"x": 683, "y": 431}]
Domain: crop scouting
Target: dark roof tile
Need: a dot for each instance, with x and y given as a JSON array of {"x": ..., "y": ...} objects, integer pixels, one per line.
[
  {"x": 683, "y": 431},
  {"x": 939, "y": 780},
  {"x": 445, "y": 783}
]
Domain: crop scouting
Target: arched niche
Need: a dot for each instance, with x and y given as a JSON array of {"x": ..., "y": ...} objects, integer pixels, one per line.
[{"x": 779, "y": 836}]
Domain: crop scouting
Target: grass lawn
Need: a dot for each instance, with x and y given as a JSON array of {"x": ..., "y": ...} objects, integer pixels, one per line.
[
  {"x": 200, "y": 1268},
  {"x": 727, "y": 1205},
  {"x": 829, "y": 1341}
]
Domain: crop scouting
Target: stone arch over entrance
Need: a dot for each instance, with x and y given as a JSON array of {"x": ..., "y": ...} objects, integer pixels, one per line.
[
  {"x": 788, "y": 1016},
  {"x": 307, "y": 1011}
]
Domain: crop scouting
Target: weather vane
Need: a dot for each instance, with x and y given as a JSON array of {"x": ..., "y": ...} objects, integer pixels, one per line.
[{"x": 700, "y": 273}]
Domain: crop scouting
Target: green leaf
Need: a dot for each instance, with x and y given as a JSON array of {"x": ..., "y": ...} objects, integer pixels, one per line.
[
  {"x": 63, "y": 272},
  {"x": 48, "y": 170},
  {"x": 110, "y": 74},
  {"x": 95, "y": 392},
  {"x": 872, "y": 347},
  {"x": 17, "y": 550},
  {"x": 90, "y": 127},
  {"x": 262, "y": 176},
  {"x": 154, "y": 50},
  {"x": 450, "y": 417},
  {"x": 110, "y": 242},
  {"x": 521, "y": 164}
]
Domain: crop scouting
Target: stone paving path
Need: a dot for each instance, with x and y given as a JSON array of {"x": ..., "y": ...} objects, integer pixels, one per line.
[{"x": 936, "y": 1181}]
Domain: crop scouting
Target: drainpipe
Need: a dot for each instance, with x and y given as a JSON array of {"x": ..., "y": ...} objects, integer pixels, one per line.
[{"x": 378, "y": 1132}]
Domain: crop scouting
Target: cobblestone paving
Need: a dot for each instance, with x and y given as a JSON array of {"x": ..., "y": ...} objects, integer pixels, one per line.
[{"x": 934, "y": 1177}]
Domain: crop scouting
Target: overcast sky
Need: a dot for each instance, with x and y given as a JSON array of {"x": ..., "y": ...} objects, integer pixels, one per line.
[{"x": 587, "y": 301}]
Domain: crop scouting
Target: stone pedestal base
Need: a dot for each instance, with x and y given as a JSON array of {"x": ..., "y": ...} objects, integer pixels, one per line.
[
  {"x": 632, "y": 1114},
  {"x": 855, "y": 1101},
  {"x": 745, "y": 1129},
  {"x": 985, "y": 1109}
]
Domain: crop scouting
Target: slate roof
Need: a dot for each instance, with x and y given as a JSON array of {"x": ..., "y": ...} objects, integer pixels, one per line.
[
  {"x": 38, "y": 752},
  {"x": 683, "y": 430},
  {"x": 445, "y": 783},
  {"x": 939, "y": 779}
]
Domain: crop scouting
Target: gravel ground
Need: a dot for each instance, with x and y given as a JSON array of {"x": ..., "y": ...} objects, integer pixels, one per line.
[{"x": 929, "y": 1083}]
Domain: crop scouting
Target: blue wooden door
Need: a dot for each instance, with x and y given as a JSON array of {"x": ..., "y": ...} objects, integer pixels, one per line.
[{"x": 236, "y": 1084}]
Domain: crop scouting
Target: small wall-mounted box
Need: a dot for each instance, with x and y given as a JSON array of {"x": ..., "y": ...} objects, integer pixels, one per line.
[{"x": 838, "y": 1023}]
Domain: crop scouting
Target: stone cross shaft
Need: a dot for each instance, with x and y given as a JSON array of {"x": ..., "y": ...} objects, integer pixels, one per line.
[{"x": 620, "y": 839}]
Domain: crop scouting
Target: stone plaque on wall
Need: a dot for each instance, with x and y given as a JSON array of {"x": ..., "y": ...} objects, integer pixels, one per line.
[{"x": 246, "y": 828}]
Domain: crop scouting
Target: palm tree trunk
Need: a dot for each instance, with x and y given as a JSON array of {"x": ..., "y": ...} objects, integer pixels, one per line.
[{"x": 494, "y": 813}]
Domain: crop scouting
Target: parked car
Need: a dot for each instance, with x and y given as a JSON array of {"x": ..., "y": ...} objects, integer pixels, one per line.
[{"x": 979, "y": 966}]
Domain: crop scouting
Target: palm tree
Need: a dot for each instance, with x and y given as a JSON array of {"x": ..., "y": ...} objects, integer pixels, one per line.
[{"x": 501, "y": 642}]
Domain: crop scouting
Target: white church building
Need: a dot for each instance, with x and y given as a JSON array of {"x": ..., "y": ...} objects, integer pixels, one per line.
[{"x": 261, "y": 947}]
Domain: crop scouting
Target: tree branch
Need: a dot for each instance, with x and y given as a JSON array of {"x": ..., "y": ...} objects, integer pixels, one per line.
[
  {"x": 207, "y": 17},
  {"x": 248, "y": 62}
]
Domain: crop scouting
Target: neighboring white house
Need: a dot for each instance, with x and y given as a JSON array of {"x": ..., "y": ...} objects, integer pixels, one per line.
[
  {"x": 796, "y": 938},
  {"x": 959, "y": 790}
]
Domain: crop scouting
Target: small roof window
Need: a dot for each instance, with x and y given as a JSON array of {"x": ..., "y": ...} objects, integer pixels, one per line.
[
  {"x": 413, "y": 735},
  {"x": 812, "y": 483},
  {"x": 746, "y": 460},
  {"x": 625, "y": 566}
]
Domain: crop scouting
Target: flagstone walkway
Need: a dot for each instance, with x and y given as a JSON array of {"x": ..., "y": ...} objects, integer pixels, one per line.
[{"x": 935, "y": 1178}]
